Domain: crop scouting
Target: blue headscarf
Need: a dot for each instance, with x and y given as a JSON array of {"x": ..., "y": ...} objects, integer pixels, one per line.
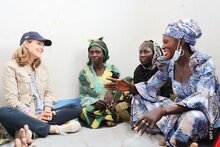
[{"x": 186, "y": 29}]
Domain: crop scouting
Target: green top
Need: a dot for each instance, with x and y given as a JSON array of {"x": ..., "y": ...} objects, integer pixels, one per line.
[{"x": 91, "y": 85}]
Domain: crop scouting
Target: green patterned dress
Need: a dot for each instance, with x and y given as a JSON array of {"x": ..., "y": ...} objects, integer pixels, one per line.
[{"x": 92, "y": 90}]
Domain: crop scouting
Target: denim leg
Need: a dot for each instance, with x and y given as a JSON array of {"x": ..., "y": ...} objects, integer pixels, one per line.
[
  {"x": 66, "y": 113},
  {"x": 13, "y": 120}
]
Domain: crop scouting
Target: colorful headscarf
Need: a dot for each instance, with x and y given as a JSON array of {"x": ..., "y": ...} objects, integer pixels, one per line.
[
  {"x": 157, "y": 51},
  {"x": 101, "y": 44},
  {"x": 186, "y": 29}
]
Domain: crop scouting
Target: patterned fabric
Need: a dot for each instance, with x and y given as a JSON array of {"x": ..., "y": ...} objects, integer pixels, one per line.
[
  {"x": 91, "y": 86},
  {"x": 187, "y": 29},
  {"x": 200, "y": 95},
  {"x": 122, "y": 102},
  {"x": 157, "y": 53},
  {"x": 3, "y": 135},
  {"x": 92, "y": 90}
]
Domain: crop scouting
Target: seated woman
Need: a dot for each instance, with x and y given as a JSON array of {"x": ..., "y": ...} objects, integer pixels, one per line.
[
  {"x": 27, "y": 89},
  {"x": 149, "y": 52},
  {"x": 95, "y": 99},
  {"x": 194, "y": 114}
]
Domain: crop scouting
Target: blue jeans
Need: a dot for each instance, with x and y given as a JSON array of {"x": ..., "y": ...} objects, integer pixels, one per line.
[{"x": 13, "y": 120}]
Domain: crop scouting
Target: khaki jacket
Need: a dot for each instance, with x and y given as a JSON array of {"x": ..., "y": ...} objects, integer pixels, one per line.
[{"x": 17, "y": 85}]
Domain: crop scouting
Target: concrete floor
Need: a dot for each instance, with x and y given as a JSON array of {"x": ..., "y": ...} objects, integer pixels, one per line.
[{"x": 118, "y": 136}]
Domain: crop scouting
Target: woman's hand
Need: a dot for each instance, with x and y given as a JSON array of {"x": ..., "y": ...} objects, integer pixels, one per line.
[
  {"x": 45, "y": 116},
  {"x": 48, "y": 113},
  {"x": 149, "y": 120},
  {"x": 118, "y": 84},
  {"x": 39, "y": 117},
  {"x": 109, "y": 98}
]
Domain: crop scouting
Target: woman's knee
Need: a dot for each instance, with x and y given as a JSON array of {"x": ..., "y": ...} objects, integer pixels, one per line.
[
  {"x": 77, "y": 108},
  {"x": 195, "y": 121},
  {"x": 194, "y": 116},
  {"x": 4, "y": 110}
]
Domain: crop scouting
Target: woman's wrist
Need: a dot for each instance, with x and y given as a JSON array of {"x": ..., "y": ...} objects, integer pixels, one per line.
[
  {"x": 47, "y": 108},
  {"x": 132, "y": 88},
  {"x": 163, "y": 110}
]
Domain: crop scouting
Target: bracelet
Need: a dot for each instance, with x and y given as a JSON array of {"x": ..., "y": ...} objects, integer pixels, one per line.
[{"x": 164, "y": 110}]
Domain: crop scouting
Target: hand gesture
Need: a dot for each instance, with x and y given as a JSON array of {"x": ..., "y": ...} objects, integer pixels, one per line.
[{"x": 118, "y": 84}]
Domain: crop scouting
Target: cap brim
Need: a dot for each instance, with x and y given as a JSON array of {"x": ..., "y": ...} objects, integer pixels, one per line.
[{"x": 47, "y": 42}]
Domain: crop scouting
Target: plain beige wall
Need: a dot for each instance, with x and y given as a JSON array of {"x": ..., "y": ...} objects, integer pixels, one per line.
[{"x": 123, "y": 23}]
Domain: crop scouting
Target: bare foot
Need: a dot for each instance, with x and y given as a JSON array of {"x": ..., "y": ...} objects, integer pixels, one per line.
[
  {"x": 17, "y": 142},
  {"x": 21, "y": 140},
  {"x": 162, "y": 142},
  {"x": 28, "y": 134},
  {"x": 194, "y": 144},
  {"x": 110, "y": 123},
  {"x": 23, "y": 137}
]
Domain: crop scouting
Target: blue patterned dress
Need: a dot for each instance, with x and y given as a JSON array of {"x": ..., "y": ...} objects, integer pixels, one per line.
[{"x": 200, "y": 95}]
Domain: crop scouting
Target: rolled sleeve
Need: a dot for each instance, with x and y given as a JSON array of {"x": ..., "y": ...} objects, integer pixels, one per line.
[{"x": 48, "y": 104}]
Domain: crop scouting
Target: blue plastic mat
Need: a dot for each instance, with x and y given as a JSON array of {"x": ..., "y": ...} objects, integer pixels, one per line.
[{"x": 63, "y": 102}]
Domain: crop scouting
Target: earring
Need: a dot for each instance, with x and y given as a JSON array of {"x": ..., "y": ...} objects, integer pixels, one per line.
[{"x": 182, "y": 51}]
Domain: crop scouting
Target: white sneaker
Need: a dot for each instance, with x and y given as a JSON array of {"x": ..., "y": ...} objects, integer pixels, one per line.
[{"x": 69, "y": 127}]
